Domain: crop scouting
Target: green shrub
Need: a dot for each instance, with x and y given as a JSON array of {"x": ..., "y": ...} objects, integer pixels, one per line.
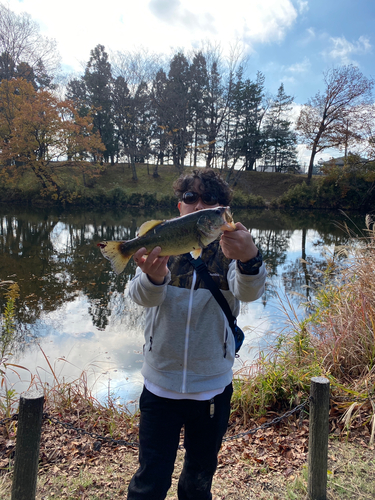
[
  {"x": 135, "y": 199},
  {"x": 255, "y": 201},
  {"x": 167, "y": 201},
  {"x": 344, "y": 188},
  {"x": 117, "y": 197},
  {"x": 300, "y": 195},
  {"x": 278, "y": 379},
  {"x": 150, "y": 200},
  {"x": 99, "y": 197},
  {"x": 240, "y": 200}
]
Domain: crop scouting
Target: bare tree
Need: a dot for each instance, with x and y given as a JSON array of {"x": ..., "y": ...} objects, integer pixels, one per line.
[
  {"x": 22, "y": 44},
  {"x": 320, "y": 120},
  {"x": 215, "y": 99},
  {"x": 370, "y": 133},
  {"x": 236, "y": 64},
  {"x": 136, "y": 68},
  {"x": 356, "y": 130}
]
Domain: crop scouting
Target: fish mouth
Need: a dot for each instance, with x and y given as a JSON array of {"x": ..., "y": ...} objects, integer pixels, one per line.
[{"x": 228, "y": 225}]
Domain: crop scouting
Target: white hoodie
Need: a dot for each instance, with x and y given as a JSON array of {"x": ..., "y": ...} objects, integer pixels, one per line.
[{"x": 189, "y": 346}]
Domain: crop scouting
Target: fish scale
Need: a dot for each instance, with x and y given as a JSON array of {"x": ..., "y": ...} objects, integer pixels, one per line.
[{"x": 188, "y": 233}]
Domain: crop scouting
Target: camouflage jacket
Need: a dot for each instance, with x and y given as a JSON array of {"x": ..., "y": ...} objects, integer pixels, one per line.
[{"x": 182, "y": 271}]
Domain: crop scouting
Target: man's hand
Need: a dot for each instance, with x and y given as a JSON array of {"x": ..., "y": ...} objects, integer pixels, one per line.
[
  {"x": 239, "y": 244},
  {"x": 154, "y": 266}
]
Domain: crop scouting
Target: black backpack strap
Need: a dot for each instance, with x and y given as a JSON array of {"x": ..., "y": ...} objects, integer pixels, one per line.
[{"x": 202, "y": 270}]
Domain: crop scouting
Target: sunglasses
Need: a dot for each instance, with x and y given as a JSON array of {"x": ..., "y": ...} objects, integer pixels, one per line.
[{"x": 191, "y": 197}]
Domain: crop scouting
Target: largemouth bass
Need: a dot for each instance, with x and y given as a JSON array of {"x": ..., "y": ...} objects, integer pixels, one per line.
[{"x": 188, "y": 233}]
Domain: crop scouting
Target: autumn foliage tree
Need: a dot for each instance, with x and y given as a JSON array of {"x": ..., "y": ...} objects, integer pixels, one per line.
[
  {"x": 320, "y": 123},
  {"x": 37, "y": 128}
]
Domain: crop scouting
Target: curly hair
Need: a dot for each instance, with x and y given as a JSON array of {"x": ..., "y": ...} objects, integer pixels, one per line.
[{"x": 209, "y": 181}]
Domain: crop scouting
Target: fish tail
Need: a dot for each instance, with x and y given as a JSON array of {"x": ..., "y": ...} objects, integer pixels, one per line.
[{"x": 111, "y": 250}]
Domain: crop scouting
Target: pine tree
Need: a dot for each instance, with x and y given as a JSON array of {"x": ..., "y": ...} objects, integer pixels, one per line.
[
  {"x": 281, "y": 140},
  {"x": 246, "y": 135},
  {"x": 94, "y": 90}
]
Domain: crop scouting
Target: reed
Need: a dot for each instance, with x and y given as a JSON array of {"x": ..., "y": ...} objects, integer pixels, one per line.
[
  {"x": 280, "y": 376},
  {"x": 8, "y": 396},
  {"x": 343, "y": 325},
  {"x": 74, "y": 402},
  {"x": 336, "y": 340}
]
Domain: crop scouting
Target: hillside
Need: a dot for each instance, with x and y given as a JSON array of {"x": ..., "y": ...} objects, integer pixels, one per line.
[
  {"x": 269, "y": 185},
  {"x": 87, "y": 183}
]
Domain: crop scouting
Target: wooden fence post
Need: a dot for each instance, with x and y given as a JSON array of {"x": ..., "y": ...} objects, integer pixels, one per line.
[
  {"x": 318, "y": 438},
  {"x": 29, "y": 429}
]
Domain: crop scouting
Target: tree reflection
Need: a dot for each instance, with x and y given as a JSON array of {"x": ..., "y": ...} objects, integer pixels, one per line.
[
  {"x": 305, "y": 275},
  {"x": 54, "y": 256},
  {"x": 274, "y": 245}
]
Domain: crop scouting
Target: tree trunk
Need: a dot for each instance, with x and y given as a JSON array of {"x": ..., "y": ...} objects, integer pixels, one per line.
[
  {"x": 211, "y": 149},
  {"x": 315, "y": 147},
  {"x": 195, "y": 148},
  {"x": 46, "y": 179},
  {"x": 134, "y": 170},
  {"x": 156, "y": 168},
  {"x": 311, "y": 164},
  {"x": 304, "y": 264}
]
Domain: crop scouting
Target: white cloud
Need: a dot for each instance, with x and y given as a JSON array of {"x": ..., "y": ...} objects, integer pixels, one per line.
[
  {"x": 343, "y": 51},
  {"x": 303, "y": 6},
  {"x": 311, "y": 32},
  {"x": 299, "y": 67},
  {"x": 266, "y": 21},
  {"x": 160, "y": 25},
  {"x": 294, "y": 112},
  {"x": 308, "y": 37},
  {"x": 172, "y": 12},
  {"x": 293, "y": 73}
]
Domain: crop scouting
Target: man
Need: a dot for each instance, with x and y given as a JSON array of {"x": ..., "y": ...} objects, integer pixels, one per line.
[{"x": 189, "y": 349}]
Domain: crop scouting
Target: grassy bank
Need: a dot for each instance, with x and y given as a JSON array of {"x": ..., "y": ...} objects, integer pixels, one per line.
[
  {"x": 113, "y": 185},
  {"x": 92, "y": 185}
]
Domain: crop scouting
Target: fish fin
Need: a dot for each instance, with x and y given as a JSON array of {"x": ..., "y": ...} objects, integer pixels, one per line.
[
  {"x": 147, "y": 226},
  {"x": 228, "y": 226},
  {"x": 197, "y": 252},
  {"x": 111, "y": 251}
]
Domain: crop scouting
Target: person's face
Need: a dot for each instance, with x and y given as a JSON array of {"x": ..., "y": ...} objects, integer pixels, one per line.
[{"x": 185, "y": 208}]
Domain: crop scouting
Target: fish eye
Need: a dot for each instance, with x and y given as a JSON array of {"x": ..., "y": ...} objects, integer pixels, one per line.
[{"x": 218, "y": 211}]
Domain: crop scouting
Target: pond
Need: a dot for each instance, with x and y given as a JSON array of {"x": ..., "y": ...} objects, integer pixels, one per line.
[{"x": 74, "y": 318}]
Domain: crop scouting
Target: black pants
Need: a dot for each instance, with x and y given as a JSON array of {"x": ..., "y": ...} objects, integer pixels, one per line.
[{"x": 159, "y": 434}]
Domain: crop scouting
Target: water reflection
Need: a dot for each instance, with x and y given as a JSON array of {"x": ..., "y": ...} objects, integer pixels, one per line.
[{"x": 73, "y": 306}]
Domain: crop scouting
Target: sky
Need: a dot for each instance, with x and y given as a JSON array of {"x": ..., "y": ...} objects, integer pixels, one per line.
[{"x": 290, "y": 41}]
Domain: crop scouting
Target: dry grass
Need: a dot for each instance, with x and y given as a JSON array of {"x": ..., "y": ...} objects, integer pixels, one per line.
[
  {"x": 345, "y": 320},
  {"x": 337, "y": 341},
  {"x": 343, "y": 332}
]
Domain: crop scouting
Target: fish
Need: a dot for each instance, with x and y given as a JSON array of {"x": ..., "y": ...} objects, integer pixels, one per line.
[{"x": 188, "y": 233}]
